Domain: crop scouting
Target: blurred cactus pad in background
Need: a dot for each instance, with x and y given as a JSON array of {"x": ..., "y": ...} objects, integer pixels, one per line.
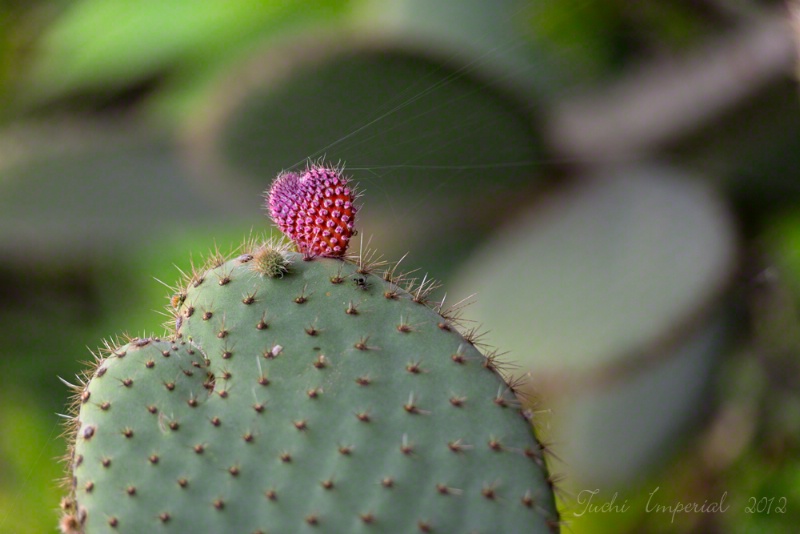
[{"x": 613, "y": 188}]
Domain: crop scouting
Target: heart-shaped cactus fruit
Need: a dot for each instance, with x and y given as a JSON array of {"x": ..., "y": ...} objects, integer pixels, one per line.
[
  {"x": 302, "y": 393},
  {"x": 315, "y": 209}
]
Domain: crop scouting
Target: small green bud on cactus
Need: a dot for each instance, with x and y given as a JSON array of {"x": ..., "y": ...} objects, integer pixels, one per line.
[
  {"x": 303, "y": 393},
  {"x": 269, "y": 261}
]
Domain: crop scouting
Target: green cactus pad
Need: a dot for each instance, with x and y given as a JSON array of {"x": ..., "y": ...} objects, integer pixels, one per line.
[
  {"x": 326, "y": 400},
  {"x": 130, "y": 441}
]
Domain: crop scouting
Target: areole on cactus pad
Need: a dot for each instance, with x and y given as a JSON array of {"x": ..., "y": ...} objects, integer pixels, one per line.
[{"x": 304, "y": 393}]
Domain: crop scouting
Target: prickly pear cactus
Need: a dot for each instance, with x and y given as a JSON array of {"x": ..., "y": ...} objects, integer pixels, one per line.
[{"x": 304, "y": 392}]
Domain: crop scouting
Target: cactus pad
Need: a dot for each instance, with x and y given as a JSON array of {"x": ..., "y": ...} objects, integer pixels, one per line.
[
  {"x": 329, "y": 397},
  {"x": 302, "y": 392}
]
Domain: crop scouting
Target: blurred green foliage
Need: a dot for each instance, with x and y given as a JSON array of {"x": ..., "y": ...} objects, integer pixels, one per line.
[
  {"x": 134, "y": 135},
  {"x": 598, "y": 39},
  {"x": 101, "y": 47}
]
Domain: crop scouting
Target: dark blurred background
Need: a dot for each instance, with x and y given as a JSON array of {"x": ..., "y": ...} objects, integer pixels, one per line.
[{"x": 617, "y": 183}]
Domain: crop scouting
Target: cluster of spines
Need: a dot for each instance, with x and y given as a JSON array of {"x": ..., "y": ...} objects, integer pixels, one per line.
[{"x": 419, "y": 291}]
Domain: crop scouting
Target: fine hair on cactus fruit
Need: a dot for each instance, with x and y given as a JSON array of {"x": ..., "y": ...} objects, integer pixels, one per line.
[{"x": 304, "y": 390}]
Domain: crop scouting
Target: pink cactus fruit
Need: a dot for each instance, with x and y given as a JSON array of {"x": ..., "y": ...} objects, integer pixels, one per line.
[{"x": 315, "y": 209}]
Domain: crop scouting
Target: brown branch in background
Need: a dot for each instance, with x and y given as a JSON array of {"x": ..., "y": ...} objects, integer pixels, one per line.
[
  {"x": 794, "y": 20},
  {"x": 662, "y": 101}
]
